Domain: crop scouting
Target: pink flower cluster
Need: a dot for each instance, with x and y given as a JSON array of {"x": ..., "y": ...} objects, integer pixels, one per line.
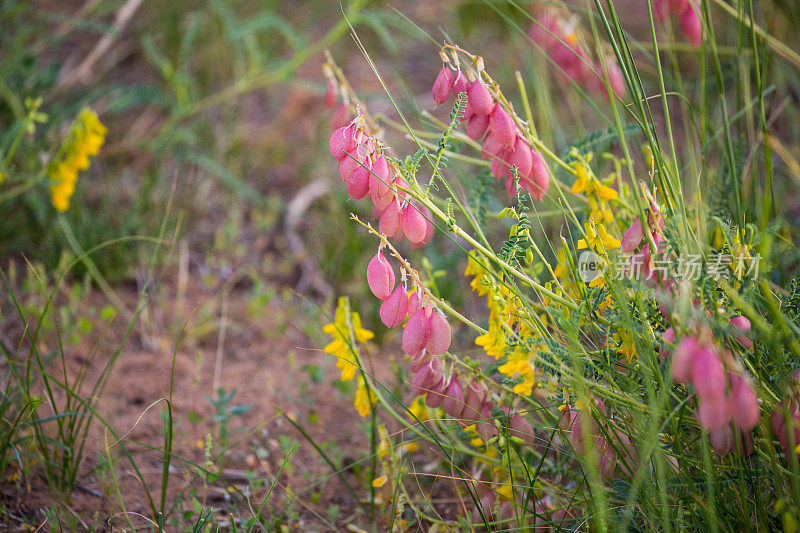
[
  {"x": 778, "y": 418},
  {"x": 691, "y": 24},
  {"x": 558, "y": 40},
  {"x": 502, "y": 142},
  {"x": 426, "y": 334},
  {"x": 365, "y": 170},
  {"x": 725, "y": 398}
]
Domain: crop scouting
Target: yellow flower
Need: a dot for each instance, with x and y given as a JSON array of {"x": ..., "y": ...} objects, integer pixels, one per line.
[
  {"x": 591, "y": 186},
  {"x": 84, "y": 140},
  {"x": 341, "y": 346},
  {"x": 365, "y": 398},
  {"x": 598, "y": 238},
  {"x": 627, "y": 346},
  {"x": 379, "y": 482},
  {"x": 419, "y": 409}
]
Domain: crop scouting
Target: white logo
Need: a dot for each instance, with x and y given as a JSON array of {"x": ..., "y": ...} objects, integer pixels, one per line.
[{"x": 591, "y": 266}]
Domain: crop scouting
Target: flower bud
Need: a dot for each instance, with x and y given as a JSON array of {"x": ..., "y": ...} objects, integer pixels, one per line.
[
  {"x": 358, "y": 181},
  {"x": 453, "y": 401},
  {"x": 380, "y": 178},
  {"x": 474, "y": 396},
  {"x": 414, "y": 224},
  {"x": 428, "y": 377},
  {"x": 415, "y": 302},
  {"x": 541, "y": 177},
  {"x": 522, "y": 157},
  {"x": 708, "y": 376},
  {"x": 714, "y": 412},
  {"x": 330, "y": 95},
  {"x": 419, "y": 360},
  {"x": 685, "y": 353},
  {"x": 502, "y": 125},
  {"x": 480, "y": 99},
  {"x": 340, "y": 117},
  {"x": 341, "y": 141},
  {"x": 477, "y": 125},
  {"x": 380, "y": 277},
  {"x": 416, "y": 332},
  {"x": 519, "y": 427},
  {"x": 691, "y": 25},
  {"x": 439, "y": 340},
  {"x": 442, "y": 86},
  {"x": 744, "y": 403},
  {"x": 667, "y": 338},
  {"x": 632, "y": 237},
  {"x": 742, "y": 324},
  {"x": 391, "y": 219},
  {"x": 460, "y": 83},
  {"x": 394, "y": 308}
]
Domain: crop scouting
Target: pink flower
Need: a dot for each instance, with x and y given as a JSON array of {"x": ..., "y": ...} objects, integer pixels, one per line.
[
  {"x": 713, "y": 413},
  {"x": 480, "y": 99},
  {"x": 416, "y": 332},
  {"x": 708, "y": 375},
  {"x": 744, "y": 403},
  {"x": 442, "y": 85},
  {"x": 439, "y": 337},
  {"x": 394, "y": 307},
  {"x": 380, "y": 277}
]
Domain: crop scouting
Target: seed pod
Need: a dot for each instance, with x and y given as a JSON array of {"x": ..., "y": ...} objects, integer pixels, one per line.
[
  {"x": 744, "y": 403},
  {"x": 358, "y": 182},
  {"x": 480, "y": 99},
  {"x": 330, "y": 95},
  {"x": 391, "y": 219},
  {"x": 453, "y": 401},
  {"x": 691, "y": 25},
  {"x": 708, "y": 376},
  {"x": 341, "y": 141},
  {"x": 380, "y": 177},
  {"x": 502, "y": 125},
  {"x": 477, "y": 125},
  {"x": 380, "y": 276},
  {"x": 414, "y": 224},
  {"x": 442, "y": 86},
  {"x": 394, "y": 308},
  {"x": 341, "y": 116},
  {"x": 416, "y": 332},
  {"x": 439, "y": 340}
]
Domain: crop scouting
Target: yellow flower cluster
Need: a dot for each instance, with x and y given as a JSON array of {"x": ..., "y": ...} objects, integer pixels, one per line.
[
  {"x": 505, "y": 314},
  {"x": 599, "y": 195},
  {"x": 85, "y": 138},
  {"x": 343, "y": 347}
]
